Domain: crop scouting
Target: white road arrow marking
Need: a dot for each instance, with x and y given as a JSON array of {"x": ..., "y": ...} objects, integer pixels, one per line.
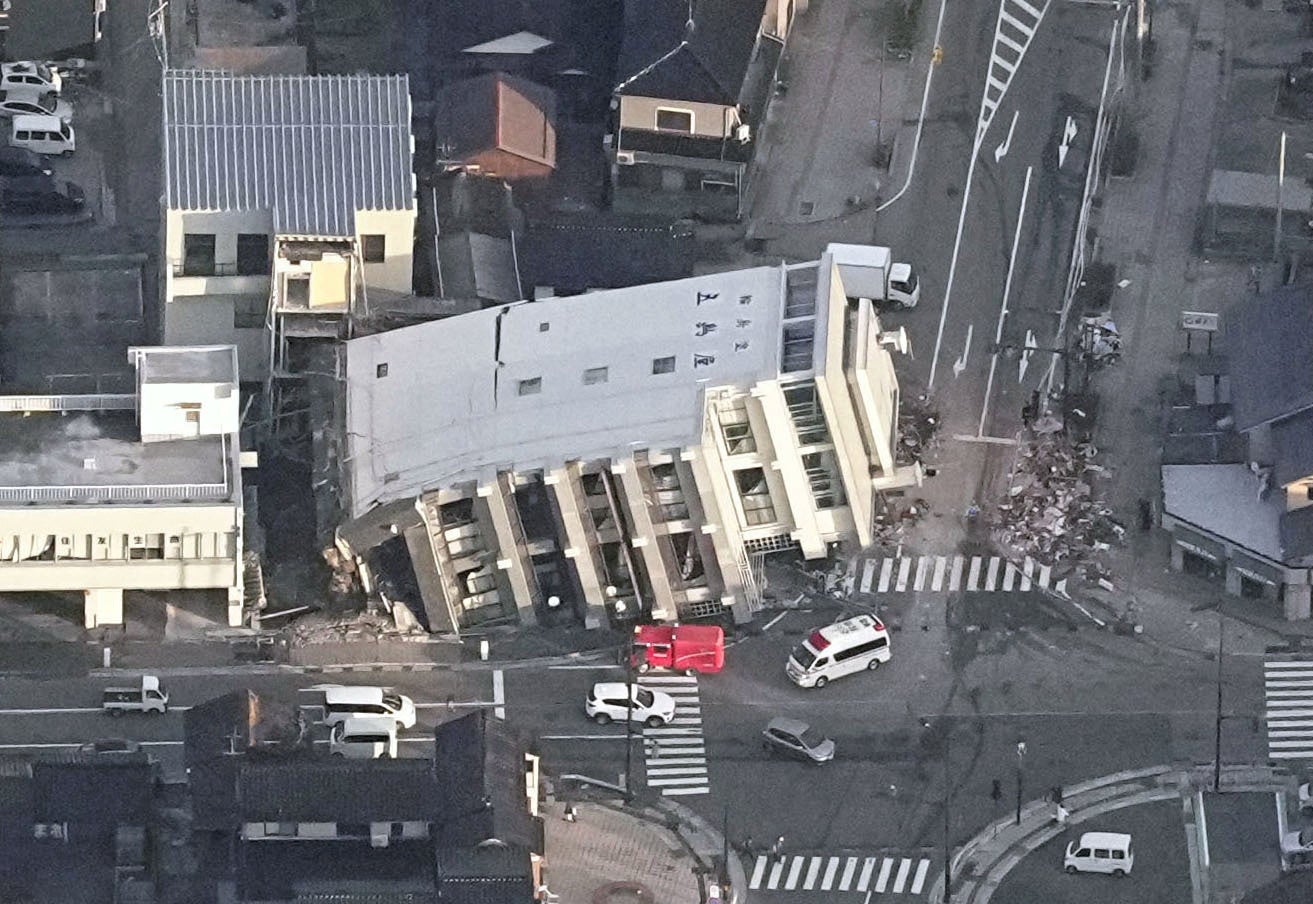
[
  {"x": 1002, "y": 150},
  {"x": 961, "y": 363},
  {"x": 1068, "y": 133},
  {"x": 1027, "y": 351}
]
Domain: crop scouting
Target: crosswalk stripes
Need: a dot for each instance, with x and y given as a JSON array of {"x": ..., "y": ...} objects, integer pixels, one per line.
[
  {"x": 881, "y": 874},
  {"x": 675, "y": 755},
  {"x": 1017, "y": 23},
  {"x": 953, "y": 573},
  {"x": 1288, "y": 692}
]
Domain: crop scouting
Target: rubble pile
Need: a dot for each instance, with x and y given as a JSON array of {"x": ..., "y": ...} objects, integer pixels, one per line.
[
  {"x": 1052, "y": 512},
  {"x": 918, "y": 422}
]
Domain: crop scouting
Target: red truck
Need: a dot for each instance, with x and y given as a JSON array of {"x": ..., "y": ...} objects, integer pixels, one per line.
[{"x": 686, "y": 648}]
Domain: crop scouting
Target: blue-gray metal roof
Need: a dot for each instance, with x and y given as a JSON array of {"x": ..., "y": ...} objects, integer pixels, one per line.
[{"x": 312, "y": 149}]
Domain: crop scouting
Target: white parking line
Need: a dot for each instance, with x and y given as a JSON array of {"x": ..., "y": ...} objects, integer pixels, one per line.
[{"x": 499, "y": 694}]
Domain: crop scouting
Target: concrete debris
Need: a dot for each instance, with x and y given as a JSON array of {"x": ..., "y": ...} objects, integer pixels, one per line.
[
  {"x": 918, "y": 422},
  {"x": 1052, "y": 513}
]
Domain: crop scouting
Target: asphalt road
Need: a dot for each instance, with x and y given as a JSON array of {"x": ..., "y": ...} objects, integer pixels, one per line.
[{"x": 1161, "y": 874}]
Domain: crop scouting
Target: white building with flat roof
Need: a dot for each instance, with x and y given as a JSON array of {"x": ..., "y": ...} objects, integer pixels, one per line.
[
  {"x": 632, "y": 448},
  {"x": 282, "y": 194},
  {"x": 140, "y": 491}
]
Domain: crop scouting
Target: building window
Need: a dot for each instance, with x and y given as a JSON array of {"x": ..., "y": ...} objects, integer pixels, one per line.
[
  {"x": 735, "y": 427},
  {"x": 252, "y": 254},
  {"x": 808, "y": 417},
  {"x": 249, "y": 312},
  {"x": 381, "y": 371},
  {"x": 663, "y": 365},
  {"x": 373, "y": 248},
  {"x": 198, "y": 254},
  {"x": 823, "y": 475},
  {"x": 755, "y": 496},
  {"x": 544, "y": 326},
  {"x": 531, "y": 386},
  {"x": 799, "y": 345},
  {"x": 668, "y": 120},
  {"x": 595, "y": 375}
]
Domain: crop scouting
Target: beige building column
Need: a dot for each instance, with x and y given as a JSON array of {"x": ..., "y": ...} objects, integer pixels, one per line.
[
  {"x": 102, "y": 607},
  {"x": 236, "y": 605},
  {"x": 788, "y": 464},
  {"x": 567, "y": 489},
  {"x": 511, "y": 558},
  {"x": 644, "y": 539},
  {"x": 719, "y": 524}
]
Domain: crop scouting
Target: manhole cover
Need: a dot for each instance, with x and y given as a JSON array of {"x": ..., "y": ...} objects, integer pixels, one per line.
[{"x": 806, "y": 208}]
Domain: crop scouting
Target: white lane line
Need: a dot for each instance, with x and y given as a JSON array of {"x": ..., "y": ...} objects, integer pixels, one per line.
[
  {"x": 923, "y": 567},
  {"x": 774, "y": 881},
  {"x": 499, "y": 694},
  {"x": 992, "y": 577},
  {"x": 75, "y": 744},
  {"x": 774, "y": 621},
  {"x": 941, "y": 565},
  {"x": 677, "y": 780},
  {"x": 886, "y": 572},
  {"x": 831, "y": 867},
  {"x": 675, "y": 771},
  {"x": 904, "y": 571},
  {"x": 1009, "y": 576},
  {"x": 955, "y": 579},
  {"x": 864, "y": 880},
  {"x": 973, "y": 576},
  {"x": 792, "y": 882},
  {"x": 758, "y": 872},
  {"x": 849, "y": 868},
  {"x": 661, "y": 761},
  {"x": 1045, "y": 573},
  {"x": 1029, "y": 571},
  {"x": 868, "y": 575},
  {"x": 813, "y": 870},
  {"x": 883, "y": 880},
  {"x": 919, "y": 879},
  {"x": 673, "y": 792},
  {"x": 55, "y": 711},
  {"x": 581, "y": 737},
  {"x": 900, "y": 882},
  {"x": 589, "y": 667}
]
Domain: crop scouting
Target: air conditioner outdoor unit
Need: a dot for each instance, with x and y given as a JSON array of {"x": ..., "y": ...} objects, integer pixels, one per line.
[
  {"x": 624, "y": 158},
  {"x": 743, "y": 132}
]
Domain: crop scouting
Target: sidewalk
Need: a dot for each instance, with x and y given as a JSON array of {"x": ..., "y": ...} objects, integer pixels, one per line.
[{"x": 656, "y": 851}]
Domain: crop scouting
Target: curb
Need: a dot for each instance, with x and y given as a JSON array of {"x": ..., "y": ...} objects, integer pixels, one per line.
[
  {"x": 1108, "y": 794},
  {"x": 1036, "y": 818}
]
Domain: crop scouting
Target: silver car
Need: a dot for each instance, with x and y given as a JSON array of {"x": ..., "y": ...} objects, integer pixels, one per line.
[{"x": 797, "y": 739}]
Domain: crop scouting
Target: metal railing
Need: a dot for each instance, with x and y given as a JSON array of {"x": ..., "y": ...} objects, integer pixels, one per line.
[
  {"x": 177, "y": 492},
  {"x": 70, "y": 402}
]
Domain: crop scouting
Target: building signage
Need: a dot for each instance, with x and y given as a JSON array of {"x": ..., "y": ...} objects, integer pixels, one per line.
[
  {"x": 1254, "y": 575},
  {"x": 1200, "y": 321}
]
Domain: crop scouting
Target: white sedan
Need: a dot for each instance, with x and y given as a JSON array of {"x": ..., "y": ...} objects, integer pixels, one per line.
[{"x": 19, "y": 103}]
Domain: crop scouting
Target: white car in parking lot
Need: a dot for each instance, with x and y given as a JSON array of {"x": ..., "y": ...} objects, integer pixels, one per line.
[
  {"x": 22, "y": 103},
  {"x": 607, "y": 702},
  {"x": 28, "y": 76}
]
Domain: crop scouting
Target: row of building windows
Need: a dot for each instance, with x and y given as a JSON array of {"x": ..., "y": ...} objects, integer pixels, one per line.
[
  {"x": 592, "y": 376},
  {"x": 253, "y": 254}
]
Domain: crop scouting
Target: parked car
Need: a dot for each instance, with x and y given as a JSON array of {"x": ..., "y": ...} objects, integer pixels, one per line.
[
  {"x": 30, "y": 76},
  {"x": 686, "y": 648},
  {"x": 110, "y": 745},
  {"x": 42, "y": 134},
  {"x": 1298, "y": 845},
  {"x": 1100, "y": 852},
  {"x": 607, "y": 701},
  {"x": 18, "y": 162},
  {"x": 35, "y": 195},
  {"x": 797, "y": 739},
  {"x": 16, "y": 103}
]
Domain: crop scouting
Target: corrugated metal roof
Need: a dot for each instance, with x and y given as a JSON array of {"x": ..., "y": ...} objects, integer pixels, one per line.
[{"x": 313, "y": 149}]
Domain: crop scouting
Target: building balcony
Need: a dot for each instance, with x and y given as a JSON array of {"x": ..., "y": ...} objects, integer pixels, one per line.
[{"x": 217, "y": 279}]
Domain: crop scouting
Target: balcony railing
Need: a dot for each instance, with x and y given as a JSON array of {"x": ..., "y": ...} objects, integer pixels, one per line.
[
  {"x": 171, "y": 492},
  {"x": 70, "y": 402},
  {"x": 219, "y": 268}
]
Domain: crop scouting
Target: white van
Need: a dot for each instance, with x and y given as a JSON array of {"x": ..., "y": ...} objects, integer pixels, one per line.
[
  {"x": 364, "y": 738},
  {"x": 42, "y": 134},
  {"x": 839, "y": 649},
  {"x": 1100, "y": 852},
  {"x": 342, "y": 703}
]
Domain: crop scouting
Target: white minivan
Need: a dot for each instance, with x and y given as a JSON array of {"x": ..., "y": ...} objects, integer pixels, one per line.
[
  {"x": 42, "y": 134},
  {"x": 1100, "y": 852},
  {"x": 842, "y": 648},
  {"x": 348, "y": 701},
  {"x": 364, "y": 738}
]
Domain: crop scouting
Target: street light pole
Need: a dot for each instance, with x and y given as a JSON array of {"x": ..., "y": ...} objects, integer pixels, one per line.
[
  {"x": 948, "y": 801},
  {"x": 1021, "y": 760},
  {"x": 1217, "y": 725}
]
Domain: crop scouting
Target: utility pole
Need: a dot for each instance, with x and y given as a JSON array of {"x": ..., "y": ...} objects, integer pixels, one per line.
[
  {"x": 1021, "y": 780},
  {"x": 1217, "y": 725}
]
